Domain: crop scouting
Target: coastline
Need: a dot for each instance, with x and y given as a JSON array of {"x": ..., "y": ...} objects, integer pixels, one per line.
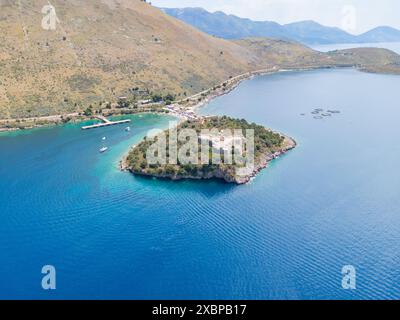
[
  {"x": 225, "y": 173},
  {"x": 219, "y": 175},
  {"x": 59, "y": 122},
  {"x": 231, "y": 84},
  {"x": 206, "y": 97},
  {"x": 290, "y": 145},
  {"x": 191, "y": 104},
  {"x": 212, "y": 94}
]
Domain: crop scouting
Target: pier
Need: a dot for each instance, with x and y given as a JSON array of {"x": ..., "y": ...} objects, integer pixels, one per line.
[{"x": 105, "y": 123}]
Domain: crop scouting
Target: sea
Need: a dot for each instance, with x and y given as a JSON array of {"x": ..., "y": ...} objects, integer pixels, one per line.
[{"x": 331, "y": 203}]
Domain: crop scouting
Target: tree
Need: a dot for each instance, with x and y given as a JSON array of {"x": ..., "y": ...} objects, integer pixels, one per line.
[
  {"x": 156, "y": 97},
  {"x": 169, "y": 97},
  {"x": 89, "y": 111}
]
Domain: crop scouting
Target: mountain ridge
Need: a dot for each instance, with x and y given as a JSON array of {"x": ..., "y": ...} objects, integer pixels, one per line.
[{"x": 309, "y": 32}]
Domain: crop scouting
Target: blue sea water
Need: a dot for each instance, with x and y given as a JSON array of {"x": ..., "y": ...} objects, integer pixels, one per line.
[{"x": 333, "y": 201}]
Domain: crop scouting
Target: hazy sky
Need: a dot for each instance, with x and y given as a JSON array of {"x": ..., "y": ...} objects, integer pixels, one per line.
[{"x": 355, "y": 16}]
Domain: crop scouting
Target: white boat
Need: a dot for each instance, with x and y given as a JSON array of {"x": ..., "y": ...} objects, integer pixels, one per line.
[
  {"x": 127, "y": 129},
  {"x": 104, "y": 138},
  {"x": 104, "y": 149}
]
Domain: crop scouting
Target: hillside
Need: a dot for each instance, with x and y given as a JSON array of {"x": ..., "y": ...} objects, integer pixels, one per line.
[
  {"x": 311, "y": 32},
  {"x": 103, "y": 49},
  {"x": 308, "y": 32},
  {"x": 99, "y": 50},
  {"x": 368, "y": 59},
  {"x": 380, "y": 34}
]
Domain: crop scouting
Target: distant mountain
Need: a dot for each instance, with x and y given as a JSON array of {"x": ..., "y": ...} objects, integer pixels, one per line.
[
  {"x": 227, "y": 26},
  {"x": 381, "y": 34},
  {"x": 309, "y": 32}
]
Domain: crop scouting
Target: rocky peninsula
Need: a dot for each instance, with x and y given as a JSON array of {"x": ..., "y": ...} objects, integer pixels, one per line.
[{"x": 268, "y": 145}]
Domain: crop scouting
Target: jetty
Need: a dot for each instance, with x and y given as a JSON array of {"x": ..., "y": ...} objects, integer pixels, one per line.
[{"x": 105, "y": 123}]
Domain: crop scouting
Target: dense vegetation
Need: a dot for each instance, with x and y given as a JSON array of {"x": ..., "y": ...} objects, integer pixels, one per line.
[{"x": 265, "y": 142}]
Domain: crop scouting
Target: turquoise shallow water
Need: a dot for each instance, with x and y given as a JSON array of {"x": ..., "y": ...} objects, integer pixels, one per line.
[{"x": 331, "y": 202}]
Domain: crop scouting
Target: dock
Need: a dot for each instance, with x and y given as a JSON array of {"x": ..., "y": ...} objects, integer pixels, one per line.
[{"x": 105, "y": 123}]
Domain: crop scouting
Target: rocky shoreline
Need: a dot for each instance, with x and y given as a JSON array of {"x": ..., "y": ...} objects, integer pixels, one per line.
[{"x": 288, "y": 144}]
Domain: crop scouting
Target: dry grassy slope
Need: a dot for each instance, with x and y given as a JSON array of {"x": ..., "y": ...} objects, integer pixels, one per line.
[
  {"x": 110, "y": 46},
  {"x": 290, "y": 54},
  {"x": 369, "y": 59},
  {"x": 102, "y": 48}
]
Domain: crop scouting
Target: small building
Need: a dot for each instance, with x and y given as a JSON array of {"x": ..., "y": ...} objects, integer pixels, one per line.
[{"x": 147, "y": 101}]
